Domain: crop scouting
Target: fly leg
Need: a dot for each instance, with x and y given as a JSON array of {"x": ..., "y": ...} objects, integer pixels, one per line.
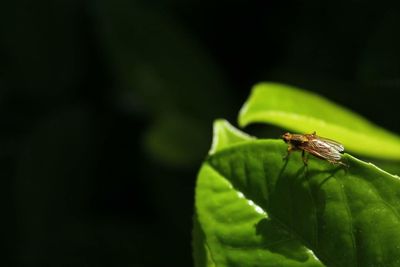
[
  {"x": 289, "y": 150},
  {"x": 304, "y": 158},
  {"x": 338, "y": 162}
]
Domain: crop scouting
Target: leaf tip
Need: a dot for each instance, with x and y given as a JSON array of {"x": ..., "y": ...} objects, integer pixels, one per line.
[
  {"x": 225, "y": 134},
  {"x": 242, "y": 119}
]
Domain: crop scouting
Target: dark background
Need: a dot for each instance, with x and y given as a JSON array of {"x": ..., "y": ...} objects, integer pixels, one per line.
[{"x": 106, "y": 109}]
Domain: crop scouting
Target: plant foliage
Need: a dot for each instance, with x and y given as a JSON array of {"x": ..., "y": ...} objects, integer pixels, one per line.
[{"x": 255, "y": 209}]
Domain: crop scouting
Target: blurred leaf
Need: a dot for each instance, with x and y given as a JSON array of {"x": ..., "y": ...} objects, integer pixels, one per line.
[
  {"x": 257, "y": 210},
  {"x": 176, "y": 140},
  {"x": 305, "y": 112},
  {"x": 170, "y": 73}
]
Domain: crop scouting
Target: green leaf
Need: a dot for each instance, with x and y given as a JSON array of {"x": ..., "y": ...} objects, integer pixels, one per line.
[
  {"x": 201, "y": 253},
  {"x": 257, "y": 210},
  {"x": 305, "y": 112},
  {"x": 176, "y": 140},
  {"x": 226, "y": 135},
  {"x": 239, "y": 233}
]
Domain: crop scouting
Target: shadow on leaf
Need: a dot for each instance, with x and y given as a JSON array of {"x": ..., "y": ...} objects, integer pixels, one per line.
[{"x": 279, "y": 241}]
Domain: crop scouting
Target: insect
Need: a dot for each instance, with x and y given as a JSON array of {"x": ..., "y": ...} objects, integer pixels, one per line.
[{"x": 320, "y": 147}]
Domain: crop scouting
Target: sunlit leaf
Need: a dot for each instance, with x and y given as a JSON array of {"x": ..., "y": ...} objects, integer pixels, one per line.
[
  {"x": 226, "y": 135},
  {"x": 300, "y": 111},
  {"x": 256, "y": 209}
]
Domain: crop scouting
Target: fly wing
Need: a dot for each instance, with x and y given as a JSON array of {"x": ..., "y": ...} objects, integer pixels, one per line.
[
  {"x": 324, "y": 148},
  {"x": 338, "y": 146}
]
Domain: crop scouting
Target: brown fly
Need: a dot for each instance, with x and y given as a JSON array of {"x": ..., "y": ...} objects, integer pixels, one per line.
[{"x": 320, "y": 147}]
